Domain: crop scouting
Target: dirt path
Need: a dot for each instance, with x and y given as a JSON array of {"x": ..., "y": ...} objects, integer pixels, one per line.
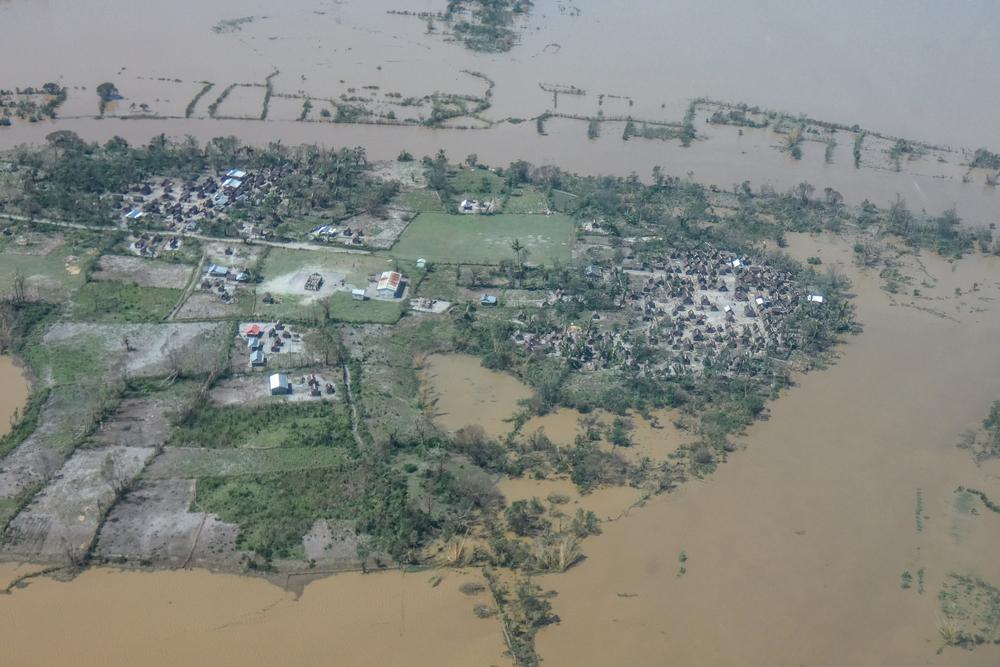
[{"x": 192, "y": 283}]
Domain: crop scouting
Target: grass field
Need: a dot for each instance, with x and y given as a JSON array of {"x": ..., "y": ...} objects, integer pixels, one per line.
[
  {"x": 342, "y": 308},
  {"x": 121, "y": 303},
  {"x": 475, "y": 239},
  {"x": 49, "y": 274},
  {"x": 476, "y": 182},
  {"x": 526, "y": 200}
]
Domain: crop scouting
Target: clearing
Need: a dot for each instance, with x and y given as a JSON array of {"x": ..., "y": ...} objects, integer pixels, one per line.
[{"x": 141, "y": 272}]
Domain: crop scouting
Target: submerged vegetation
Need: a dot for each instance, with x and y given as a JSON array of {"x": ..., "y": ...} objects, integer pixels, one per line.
[{"x": 486, "y": 25}]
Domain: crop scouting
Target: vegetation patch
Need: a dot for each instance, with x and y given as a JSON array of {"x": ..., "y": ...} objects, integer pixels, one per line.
[
  {"x": 264, "y": 427},
  {"x": 123, "y": 303},
  {"x": 971, "y": 609}
]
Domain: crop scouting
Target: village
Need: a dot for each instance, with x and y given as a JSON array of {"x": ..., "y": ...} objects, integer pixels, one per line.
[
  {"x": 261, "y": 373},
  {"x": 691, "y": 308}
]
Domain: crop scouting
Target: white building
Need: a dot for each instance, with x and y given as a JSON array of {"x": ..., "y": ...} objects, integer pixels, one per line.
[
  {"x": 280, "y": 384},
  {"x": 388, "y": 284}
]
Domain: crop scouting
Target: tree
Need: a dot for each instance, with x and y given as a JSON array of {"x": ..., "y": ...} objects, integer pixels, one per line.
[
  {"x": 107, "y": 91},
  {"x": 18, "y": 297},
  {"x": 520, "y": 252}
]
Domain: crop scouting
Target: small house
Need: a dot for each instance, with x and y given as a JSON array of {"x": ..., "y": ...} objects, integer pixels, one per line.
[
  {"x": 254, "y": 344},
  {"x": 233, "y": 183},
  {"x": 815, "y": 298},
  {"x": 358, "y": 294},
  {"x": 488, "y": 300},
  {"x": 217, "y": 271},
  {"x": 134, "y": 214},
  {"x": 279, "y": 384},
  {"x": 421, "y": 263},
  {"x": 736, "y": 263},
  {"x": 254, "y": 330},
  {"x": 242, "y": 277},
  {"x": 257, "y": 358},
  {"x": 388, "y": 284},
  {"x": 236, "y": 173}
]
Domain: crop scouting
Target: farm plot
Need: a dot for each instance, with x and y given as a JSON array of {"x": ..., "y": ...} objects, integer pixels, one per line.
[
  {"x": 123, "y": 303},
  {"x": 154, "y": 524},
  {"x": 61, "y": 522},
  {"x": 141, "y": 272},
  {"x": 486, "y": 239}
]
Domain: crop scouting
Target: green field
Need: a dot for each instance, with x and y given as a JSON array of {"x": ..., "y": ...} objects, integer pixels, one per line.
[
  {"x": 49, "y": 275},
  {"x": 121, "y": 303},
  {"x": 526, "y": 200},
  {"x": 486, "y": 239}
]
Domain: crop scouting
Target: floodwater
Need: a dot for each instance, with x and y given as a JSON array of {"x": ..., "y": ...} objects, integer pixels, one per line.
[
  {"x": 467, "y": 393},
  {"x": 795, "y": 547},
  {"x": 829, "y": 61},
  {"x": 200, "y": 618},
  {"x": 13, "y": 392}
]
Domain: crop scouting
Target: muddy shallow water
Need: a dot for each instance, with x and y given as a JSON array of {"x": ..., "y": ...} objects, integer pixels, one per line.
[
  {"x": 195, "y": 617},
  {"x": 13, "y": 392}
]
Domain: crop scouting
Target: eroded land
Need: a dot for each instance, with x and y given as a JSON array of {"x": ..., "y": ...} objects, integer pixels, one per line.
[
  {"x": 447, "y": 406},
  {"x": 529, "y": 380}
]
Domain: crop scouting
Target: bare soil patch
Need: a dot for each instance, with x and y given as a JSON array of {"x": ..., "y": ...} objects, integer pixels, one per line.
[
  {"x": 156, "y": 349},
  {"x": 208, "y": 305},
  {"x": 63, "y": 519},
  {"x": 154, "y": 524},
  {"x": 142, "y": 272},
  {"x": 253, "y": 389}
]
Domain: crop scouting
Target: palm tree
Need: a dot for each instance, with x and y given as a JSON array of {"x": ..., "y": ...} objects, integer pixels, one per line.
[{"x": 519, "y": 252}]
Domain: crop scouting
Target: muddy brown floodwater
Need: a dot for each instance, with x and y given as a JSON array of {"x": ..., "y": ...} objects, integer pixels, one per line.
[
  {"x": 796, "y": 546},
  {"x": 330, "y": 51},
  {"x": 466, "y": 393},
  {"x": 108, "y": 617},
  {"x": 13, "y": 391}
]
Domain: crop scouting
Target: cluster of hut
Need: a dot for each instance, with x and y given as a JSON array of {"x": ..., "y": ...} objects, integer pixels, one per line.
[
  {"x": 151, "y": 244},
  {"x": 691, "y": 306},
  {"x": 219, "y": 279},
  {"x": 314, "y": 385},
  {"x": 182, "y": 205},
  {"x": 271, "y": 338}
]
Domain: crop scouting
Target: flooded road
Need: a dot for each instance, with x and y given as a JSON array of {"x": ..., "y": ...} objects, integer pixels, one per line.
[
  {"x": 14, "y": 391},
  {"x": 794, "y": 549},
  {"x": 199, "y": 618},
  {"x": 356, "y": 53}
]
